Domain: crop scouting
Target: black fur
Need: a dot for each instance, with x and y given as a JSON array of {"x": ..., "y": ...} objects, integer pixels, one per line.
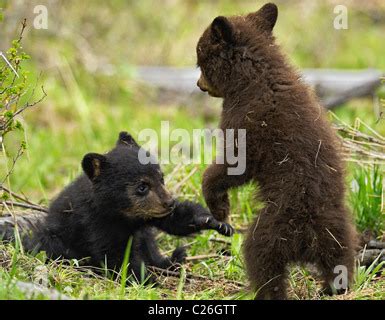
[{"x": 117, "y": 198}]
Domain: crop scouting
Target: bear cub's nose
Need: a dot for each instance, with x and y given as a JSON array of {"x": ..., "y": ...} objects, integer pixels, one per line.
[
  {"x": 200, "y": 86},
  {"x": 169, "y": 203}
]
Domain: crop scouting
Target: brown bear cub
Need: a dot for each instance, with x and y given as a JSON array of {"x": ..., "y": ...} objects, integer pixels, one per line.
[
  {"x": 291, "y": 152},
  {"x": 117, "y": 198}
]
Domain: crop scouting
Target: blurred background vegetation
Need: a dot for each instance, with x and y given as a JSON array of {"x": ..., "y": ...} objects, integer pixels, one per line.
[{"x": 86, "y": 62}]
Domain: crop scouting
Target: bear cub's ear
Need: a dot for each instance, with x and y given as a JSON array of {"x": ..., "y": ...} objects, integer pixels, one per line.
[
  {"x": 268, "y": 15},
  {"x": 93, "y": 164},
  {"x": 222, "y": 30},
  {"x": 126, "y": 139}
]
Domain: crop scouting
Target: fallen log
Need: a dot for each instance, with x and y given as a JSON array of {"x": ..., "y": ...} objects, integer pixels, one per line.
[
  {"x": 374, "y": 244},
  {"x": 366, "y": 257},
  {"x": 25, "y": 221},
  {"x": 334, "y": 87}
]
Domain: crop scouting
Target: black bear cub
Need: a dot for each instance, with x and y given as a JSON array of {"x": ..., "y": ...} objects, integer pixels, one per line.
[
  {"x": 117, "y": 198},
  {"x": 293, "y": 154}
]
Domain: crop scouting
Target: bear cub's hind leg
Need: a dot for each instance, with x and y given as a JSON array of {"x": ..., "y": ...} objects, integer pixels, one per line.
[
  {"x": 266, "y": 262},
  {"x": 147, "y": 254}
]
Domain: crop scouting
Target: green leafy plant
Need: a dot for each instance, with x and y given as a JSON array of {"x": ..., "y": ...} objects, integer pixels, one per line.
[
  {"x": 364, "y": 275},
  {"x": 366, "y": 198},
  {"x": 14, "y": 85}
]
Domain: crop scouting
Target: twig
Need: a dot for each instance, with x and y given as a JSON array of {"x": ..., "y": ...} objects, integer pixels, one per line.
[
  {"x": 23, "y": 26},
  {"x": 14, "y": 70},
  {"x": 16, "y": 196},
  {"x": 23, "y": 108},
  {"x": 189, "y": 276},
  {"x": 226, "y": 242},
  {"x": 361, "y": 147},
  {"x": 170, "y": 176},
  {"x": 184, "y": 180},
  {"x": 14, "y": 160},
  {"x": 318, "y": 150},
  {"x": 25, "y": 205},
  {"x": 170, "y": 273},
  {"x": 202, "y": 257},
  {"x": 9, "y": 64}
]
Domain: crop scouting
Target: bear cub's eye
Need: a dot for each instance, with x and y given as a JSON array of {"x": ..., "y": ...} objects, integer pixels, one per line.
[{"x": 142, "y": 189}]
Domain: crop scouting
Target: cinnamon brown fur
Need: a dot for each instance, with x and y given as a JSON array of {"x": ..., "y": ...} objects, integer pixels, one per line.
[{"x": 292, "y": 153}]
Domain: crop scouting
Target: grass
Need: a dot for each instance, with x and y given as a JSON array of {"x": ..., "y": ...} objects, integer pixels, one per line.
[
  {"x": 223, "y": 274},
  {"x": 223, "y": 279},
  {"x": 366, "y": 197},
  {"x": 87, "y": 74}
]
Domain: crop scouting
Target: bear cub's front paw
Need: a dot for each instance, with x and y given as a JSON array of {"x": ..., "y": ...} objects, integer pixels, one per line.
[
  {"x": 209, "y": 222},
  {"x": 225, "y": 229}
]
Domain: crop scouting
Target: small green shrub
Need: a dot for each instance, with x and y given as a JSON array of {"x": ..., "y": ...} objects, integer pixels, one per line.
[{"x": 15, "y": 93}]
